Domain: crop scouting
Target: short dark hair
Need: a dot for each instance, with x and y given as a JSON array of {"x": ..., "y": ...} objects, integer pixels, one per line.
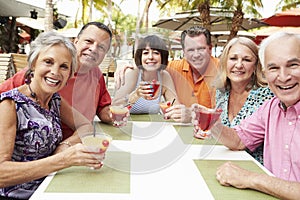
[
  {"x": 194, "y": 31},
  {"x": 99, "y": 25},
  {"x": 156, "y": 43}
]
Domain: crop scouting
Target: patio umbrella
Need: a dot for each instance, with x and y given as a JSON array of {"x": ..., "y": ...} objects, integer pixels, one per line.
[
  {"x": 265, "y": 32},
  {"x": 15, "y": 8},
  {"x": 286, "y": 18},
  {"x": 220, "y": 21}
]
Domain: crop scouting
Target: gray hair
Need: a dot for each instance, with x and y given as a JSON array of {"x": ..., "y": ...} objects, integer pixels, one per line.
[
  {"x": 265, "y": 43},
  {"x": 46, "y": 40}
]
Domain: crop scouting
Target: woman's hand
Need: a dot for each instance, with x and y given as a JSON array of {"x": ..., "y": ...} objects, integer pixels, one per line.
[
  {"x": 179, "y": 113},
  {"x": 79, "y": 155},
  {"x": 197, "y": 107},
  {"x": 144, "y": 90}
]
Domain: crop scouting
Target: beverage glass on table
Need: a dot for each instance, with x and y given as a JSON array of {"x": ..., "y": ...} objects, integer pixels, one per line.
[
  {"x": 96, "y": 142},
  {"x": 120, "y": 115},
  {"x": 204, "y": 120},
  {"x": 164, "y": 106}
]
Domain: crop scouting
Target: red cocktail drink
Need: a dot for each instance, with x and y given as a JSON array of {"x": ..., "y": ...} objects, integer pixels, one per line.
[
  {"x": 205, "y": 120},
  {"x": 155, "y": 85}
]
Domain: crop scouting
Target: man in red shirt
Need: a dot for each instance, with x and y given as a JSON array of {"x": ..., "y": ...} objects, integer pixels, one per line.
[{"x": 86, "y": 91}]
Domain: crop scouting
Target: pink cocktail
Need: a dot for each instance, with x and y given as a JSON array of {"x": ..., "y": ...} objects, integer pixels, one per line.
[
  {"x": 96, "y": 142},
  {"x": 119, "y": 115},
  {"x": 205, "y": 120},
  {"x": 164, "y": 106}
]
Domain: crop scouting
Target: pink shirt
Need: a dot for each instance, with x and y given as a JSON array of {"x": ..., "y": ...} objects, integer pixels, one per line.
[{"x": 280, "y": 132}]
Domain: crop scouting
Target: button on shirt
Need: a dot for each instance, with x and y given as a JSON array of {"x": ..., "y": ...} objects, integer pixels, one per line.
[{"x": 279, "y": 129}]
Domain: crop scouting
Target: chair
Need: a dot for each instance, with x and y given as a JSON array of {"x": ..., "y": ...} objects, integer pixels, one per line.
[
  {"x": 7, "y": 69},
  {"x": 19, "y": 61},
  {"x": 107, "y": 67}
]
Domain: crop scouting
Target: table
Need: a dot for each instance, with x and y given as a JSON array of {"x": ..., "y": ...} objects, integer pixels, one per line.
[{"x": 152, "y": 160}]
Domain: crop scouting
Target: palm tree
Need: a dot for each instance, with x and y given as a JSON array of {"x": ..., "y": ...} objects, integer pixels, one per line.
[
  {"x": 204, "y": 10},
  {"x": 145, "y": 15},
  {"x": 203, "y": 6},
  {"x": 238, "y": 15},
  {"x": 49, "y": 16},
  {"x": 287, "y": 4}
]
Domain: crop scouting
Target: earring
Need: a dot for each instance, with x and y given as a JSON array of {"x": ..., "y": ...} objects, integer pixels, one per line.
[{"x": 28, "y": 77}]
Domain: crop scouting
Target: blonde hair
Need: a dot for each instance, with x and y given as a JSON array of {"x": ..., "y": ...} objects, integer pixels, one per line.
[{"x": 257, "y": 80}]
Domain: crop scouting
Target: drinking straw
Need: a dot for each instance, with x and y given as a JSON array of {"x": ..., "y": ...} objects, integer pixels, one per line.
[
  {"x": 94, "y": 129},
  {"x": 173, "y": 102}
]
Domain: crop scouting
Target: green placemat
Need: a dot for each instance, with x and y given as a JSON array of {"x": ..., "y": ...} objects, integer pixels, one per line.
[
  {"x": 117, "y": 133},
  {"x": 208, "y": 170},
  {"x": 146, "y": 117},
  {"x": 186, "y": 135},
  {"x": 113, "y": 177}
]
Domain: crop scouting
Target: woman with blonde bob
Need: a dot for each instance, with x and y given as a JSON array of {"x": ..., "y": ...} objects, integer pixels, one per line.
[{"x": 241, "y": 87}]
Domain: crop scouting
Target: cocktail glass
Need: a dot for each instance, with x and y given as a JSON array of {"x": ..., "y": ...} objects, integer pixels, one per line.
[
  {"x": 155, "y": 85},
  {"x": 164, "y": 106},
  {"x": 120, "y": 115},
  {"x": 96, "y": 142},
  {"x": 204, "y": 120}
]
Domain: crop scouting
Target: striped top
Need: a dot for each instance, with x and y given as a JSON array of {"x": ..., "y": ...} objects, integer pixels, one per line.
[{"x": 144, "y": 106}]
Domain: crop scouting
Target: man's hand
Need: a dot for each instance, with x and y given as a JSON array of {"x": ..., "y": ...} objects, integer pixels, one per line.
[
  {"x": 119, "y": 75},
  {"x": 230, "y": 174}
]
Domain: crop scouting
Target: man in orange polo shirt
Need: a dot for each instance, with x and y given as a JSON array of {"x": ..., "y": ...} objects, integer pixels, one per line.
[
  {"x": 193, "y": 75},
  {"x": 196, "y": 70}
]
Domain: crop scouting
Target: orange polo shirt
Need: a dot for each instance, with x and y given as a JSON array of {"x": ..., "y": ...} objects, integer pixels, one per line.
[{"x": 188, "y": 91}]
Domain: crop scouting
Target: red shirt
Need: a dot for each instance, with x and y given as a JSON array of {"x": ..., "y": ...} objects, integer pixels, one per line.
[{"x": 85, "y": 92}]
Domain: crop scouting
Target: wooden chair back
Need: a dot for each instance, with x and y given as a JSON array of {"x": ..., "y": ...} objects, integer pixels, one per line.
[
  {"x": 19, "y": 61},
  {"x": 6, "y": 67}
]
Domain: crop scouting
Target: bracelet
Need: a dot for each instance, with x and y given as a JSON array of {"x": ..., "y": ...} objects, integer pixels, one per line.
[{"x": 66, "y": 143}]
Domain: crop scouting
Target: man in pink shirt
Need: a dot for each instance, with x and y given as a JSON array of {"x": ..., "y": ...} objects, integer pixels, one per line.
[
  {"x": 275, "y": 123},
  {"x": 86, "y": 90}
]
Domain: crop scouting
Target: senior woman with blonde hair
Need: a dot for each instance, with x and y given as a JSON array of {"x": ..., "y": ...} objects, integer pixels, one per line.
[{"x": 241, "y": 87}]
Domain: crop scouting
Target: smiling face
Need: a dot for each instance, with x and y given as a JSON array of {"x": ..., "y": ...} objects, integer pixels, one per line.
[
  {"x": 52, "y": 69},
  {"x": 197, "y": 52},
  {"x": 151, "y": 59},
  {"x": 92, "y": 46},
  {"x": 241, "y": 63},
  {"x": 282, "y": 69}
]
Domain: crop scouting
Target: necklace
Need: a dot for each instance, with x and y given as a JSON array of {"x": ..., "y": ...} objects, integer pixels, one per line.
[{"x": 33, "y": 94}]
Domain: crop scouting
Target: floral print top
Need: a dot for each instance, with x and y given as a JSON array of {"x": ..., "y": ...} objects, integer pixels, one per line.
[
  {"x": 255, "y": 99},
  {"x": 38, "y": 134}
]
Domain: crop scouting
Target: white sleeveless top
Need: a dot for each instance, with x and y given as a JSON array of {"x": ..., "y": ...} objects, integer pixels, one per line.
[{"x": 144, "y": 106}]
